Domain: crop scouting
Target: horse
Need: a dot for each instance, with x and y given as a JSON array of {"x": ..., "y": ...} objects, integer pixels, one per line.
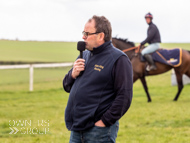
[{"x": 139, "y": 67}]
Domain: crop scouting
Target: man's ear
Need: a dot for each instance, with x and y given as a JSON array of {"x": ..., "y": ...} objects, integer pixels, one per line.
[{"x": 101, "y": 36}]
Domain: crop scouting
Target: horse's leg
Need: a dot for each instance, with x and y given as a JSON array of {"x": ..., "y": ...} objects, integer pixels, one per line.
[
  {"x": 188, "y": 73},
  {"x": 143, "y": 81},
  {"x": 180, "y": 84}
]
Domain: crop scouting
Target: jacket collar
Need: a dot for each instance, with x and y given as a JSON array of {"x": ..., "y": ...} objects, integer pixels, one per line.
[
  {"x": 100, "y": 48},
  {"x": 150, "y": 23}
]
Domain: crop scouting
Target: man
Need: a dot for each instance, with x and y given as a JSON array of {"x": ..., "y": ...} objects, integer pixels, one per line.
[
  {"x": 154, "y": 41},
  {"x": 103, "y": 93}
]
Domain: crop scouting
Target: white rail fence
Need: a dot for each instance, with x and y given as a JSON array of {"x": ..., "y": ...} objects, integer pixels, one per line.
[
  {"x": 186, "y": 80},
  {"x": 31, "y": 69}
]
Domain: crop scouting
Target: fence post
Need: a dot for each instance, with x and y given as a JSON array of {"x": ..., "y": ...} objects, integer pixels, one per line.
[{"x": 31, "y": 77}]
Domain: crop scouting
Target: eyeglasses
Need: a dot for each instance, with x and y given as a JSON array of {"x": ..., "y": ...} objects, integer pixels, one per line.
[{"x": 86, "y": 34}]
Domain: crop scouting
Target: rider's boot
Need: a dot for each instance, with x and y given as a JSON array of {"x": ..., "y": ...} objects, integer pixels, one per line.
[{"x": 151, "y": 63}]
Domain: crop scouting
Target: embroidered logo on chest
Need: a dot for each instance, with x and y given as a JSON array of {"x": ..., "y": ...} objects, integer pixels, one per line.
[{"x": 98, "y": 67}]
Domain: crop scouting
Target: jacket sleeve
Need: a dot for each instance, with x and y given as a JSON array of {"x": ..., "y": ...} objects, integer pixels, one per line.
[
  {"x": 123, "y": 87},
  {"x": 68, "y": 81},
  {"x": 151, "y": 33}
]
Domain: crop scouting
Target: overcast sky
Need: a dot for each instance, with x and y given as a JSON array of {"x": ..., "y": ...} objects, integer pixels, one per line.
[{"x": 64, "y": 20}]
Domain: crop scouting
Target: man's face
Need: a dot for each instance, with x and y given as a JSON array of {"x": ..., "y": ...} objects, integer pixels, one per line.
[
  {"x": 148, "y": 20},
  {"x": 91, "y": 40}
]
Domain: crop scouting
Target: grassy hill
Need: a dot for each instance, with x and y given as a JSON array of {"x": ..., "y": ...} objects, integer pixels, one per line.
[{"x": 33, "y": 51}]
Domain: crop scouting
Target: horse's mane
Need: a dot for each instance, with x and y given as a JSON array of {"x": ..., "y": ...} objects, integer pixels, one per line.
[{"x": 125, "y": 40}]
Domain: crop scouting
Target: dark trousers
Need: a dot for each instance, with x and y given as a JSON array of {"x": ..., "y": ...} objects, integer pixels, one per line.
[{"x": 96, "y": 135}]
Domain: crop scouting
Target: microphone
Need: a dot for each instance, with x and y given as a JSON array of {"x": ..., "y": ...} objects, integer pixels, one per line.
[{"x": 81, "y": 47}]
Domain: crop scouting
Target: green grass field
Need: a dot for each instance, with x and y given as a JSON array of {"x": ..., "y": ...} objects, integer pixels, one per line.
[
  {"x": 32, "y": 51},
  {"x": 162, "y": 121}
]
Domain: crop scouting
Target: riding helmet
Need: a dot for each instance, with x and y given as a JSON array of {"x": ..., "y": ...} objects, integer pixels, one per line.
[{"x": 149, "y": 15}]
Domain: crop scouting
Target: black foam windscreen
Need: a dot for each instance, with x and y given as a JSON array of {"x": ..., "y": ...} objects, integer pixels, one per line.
[{"x": 81, "y": 45}]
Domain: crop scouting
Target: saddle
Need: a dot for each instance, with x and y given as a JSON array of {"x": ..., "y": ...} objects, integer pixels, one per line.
[
  {"x": 142, "y": 59},
  {"x": 172, "y": 57}
]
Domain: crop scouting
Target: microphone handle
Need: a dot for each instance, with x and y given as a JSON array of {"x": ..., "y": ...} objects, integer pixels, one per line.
[{"x": 81, "y": 56}]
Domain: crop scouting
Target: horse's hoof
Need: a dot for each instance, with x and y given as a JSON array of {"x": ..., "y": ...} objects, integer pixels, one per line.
[{"x": 149, "y": 100}]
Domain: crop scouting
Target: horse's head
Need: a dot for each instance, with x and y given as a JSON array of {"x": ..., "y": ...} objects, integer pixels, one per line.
[{"x": 123, "y": 45}]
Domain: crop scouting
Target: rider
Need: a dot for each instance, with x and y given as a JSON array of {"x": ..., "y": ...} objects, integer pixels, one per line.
[{"x": 153, "y": 38}]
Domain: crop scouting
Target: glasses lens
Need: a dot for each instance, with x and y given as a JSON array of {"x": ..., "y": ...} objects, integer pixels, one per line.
[{"x": 85, "y": 34}]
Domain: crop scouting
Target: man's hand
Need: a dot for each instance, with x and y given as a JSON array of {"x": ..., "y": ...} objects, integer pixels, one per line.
[
  {"x": 79, "y": 66},
  {"x": 100, "y": 124}
]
